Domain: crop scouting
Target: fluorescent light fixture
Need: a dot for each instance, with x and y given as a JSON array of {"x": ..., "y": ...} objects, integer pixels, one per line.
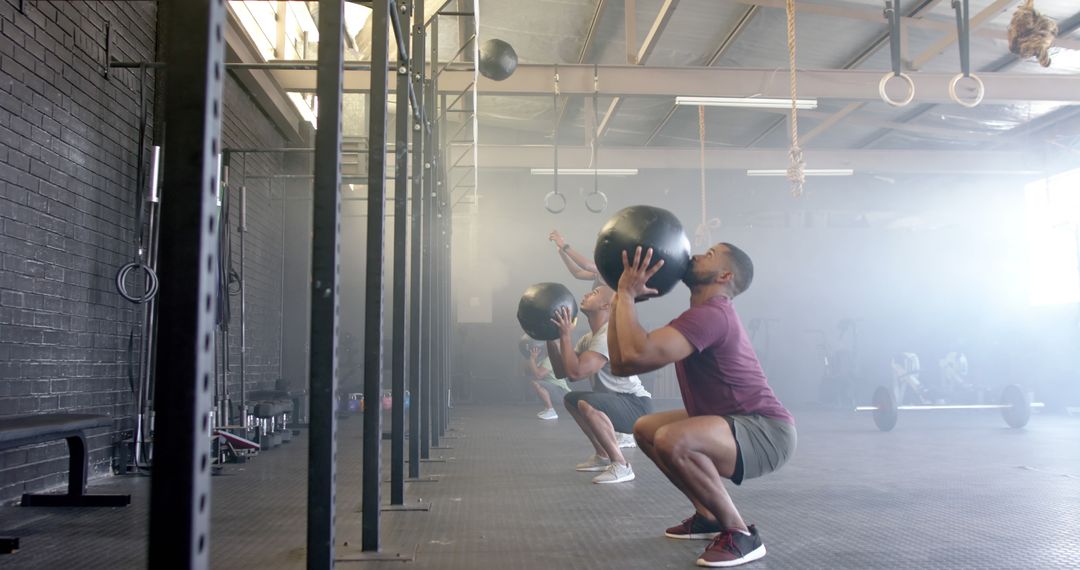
[
  {"x": 747, "y": 102},
  {"x": 808, "y": 172},
  {"x": 586, "y": 171}
]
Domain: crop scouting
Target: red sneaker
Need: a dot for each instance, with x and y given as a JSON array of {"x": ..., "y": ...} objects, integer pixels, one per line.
[
  {"x": 732, "y": 548},
  {"x": 696, "y": 527}
]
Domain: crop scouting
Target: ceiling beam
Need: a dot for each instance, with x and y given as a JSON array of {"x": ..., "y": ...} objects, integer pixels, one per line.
[
  {"x": 633, "y": 80},
  {"x": 725, "y": 44},
  {"x": 259, "y": 83},
  {"x": 952, "y": 133},
  {"x": 608, "y": 115},
  {"x": 984, "y": 15},
  {"x": 829, "y": 122},
  {"x": 657, "y": 28},
  {"x": 432, "y": 10},
  {"x": 918, "y": 11},
  {"x": 590, "y": 35},
  {"x": 647, "y": 47},
  {"x": 736, "y": 31},
  {"x": 896, "y": 161},
  {"x": 1065, "y": 27},
  {"x": 850, "y": 12},
  {"x": 978, "y": 20}
]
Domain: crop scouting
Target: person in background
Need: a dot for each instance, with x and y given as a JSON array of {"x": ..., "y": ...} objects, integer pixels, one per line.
[
  {"x": 905, "y": 369},
  {"x": 544, "y": 382},
  {"x": 583, "y": 268},
  {"x": 615, "y": 403},
  {"x": 579, "y": 265}
]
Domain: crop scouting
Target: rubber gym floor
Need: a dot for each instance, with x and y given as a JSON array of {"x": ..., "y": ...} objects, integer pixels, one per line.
[{"x": 952, "y": 490}]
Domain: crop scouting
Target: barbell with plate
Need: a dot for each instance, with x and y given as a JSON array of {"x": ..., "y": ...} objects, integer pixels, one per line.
[{"x": 1015, "y": 407}]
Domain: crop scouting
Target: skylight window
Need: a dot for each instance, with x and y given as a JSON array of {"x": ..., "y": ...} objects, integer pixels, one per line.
[{"x": 1053, "y": 239}]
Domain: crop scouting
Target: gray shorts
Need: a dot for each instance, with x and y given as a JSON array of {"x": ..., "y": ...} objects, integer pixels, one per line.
[
  {"x": 621, "y": 409},
  {"x": 765, "y": 444}
]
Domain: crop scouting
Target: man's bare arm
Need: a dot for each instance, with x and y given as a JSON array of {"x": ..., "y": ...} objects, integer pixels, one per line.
[
  {"x": 579, "y": 266},
  {"x": 580, "y": 259},
  {"x": 555, "y": 356},
  {"x": 576, "y": 270},
  {"x": 638, "y": 351}
]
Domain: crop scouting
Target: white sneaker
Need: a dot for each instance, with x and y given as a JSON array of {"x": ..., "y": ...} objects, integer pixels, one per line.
[
  {"x": 615, "y": 473},
  {"x": 625, "y": 439},
  {"x": 594, "y": 463},
  {"x": 548, "y": 414}
]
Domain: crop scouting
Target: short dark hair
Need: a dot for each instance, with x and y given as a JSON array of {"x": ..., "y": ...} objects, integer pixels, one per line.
[{"x": 743, "y": 268}]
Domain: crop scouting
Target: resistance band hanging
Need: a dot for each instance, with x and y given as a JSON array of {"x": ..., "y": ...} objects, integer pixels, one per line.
[
  {"x": 963, "y": 36},
  {"x": 892, "y": 14},
  {"x": 596, "y": 201},
  {"x": 150, "y": 287},
  {"x": 555, "y": 202}
]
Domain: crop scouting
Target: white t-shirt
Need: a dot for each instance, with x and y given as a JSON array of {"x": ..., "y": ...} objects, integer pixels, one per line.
[{"x": 603, "y": 380}]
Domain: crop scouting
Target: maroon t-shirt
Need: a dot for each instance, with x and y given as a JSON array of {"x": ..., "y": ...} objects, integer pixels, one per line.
[{"x": 723, "y": 376}]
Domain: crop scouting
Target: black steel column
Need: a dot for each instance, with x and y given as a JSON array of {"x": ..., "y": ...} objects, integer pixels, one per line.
[
  {"x": 428, "y": 278},
  {"x": 440, "y": 316},
  {"x": 416, "y": 403},
  {"x": 448, "y": 315},
  {"x": 373, "y": 292},
  {"x": 326, "y": 228},
  {"x": 401, "y": 252},
  {"x": 444, "y": 336},
  {"x": 180, "y": 488},
  {"x": 442, "y": 189},
  {"x": 436, "y": 281}
]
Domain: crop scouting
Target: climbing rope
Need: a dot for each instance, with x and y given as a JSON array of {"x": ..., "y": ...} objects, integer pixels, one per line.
[
  {"x": 555, "y": 202},
  {"x": 796, "y": 172},
  {"x": 703, "y": 235}
]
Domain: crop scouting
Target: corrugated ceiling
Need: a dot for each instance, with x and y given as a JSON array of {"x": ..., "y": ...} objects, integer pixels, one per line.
[{"x": 554, "y": 31}]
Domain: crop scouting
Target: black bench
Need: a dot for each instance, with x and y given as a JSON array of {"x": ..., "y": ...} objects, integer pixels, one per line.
[
  {"x": 274, "y": 410},
  {"x": 30, "y": 430}
]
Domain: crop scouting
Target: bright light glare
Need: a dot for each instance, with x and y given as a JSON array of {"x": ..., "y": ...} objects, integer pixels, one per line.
[
  {"x": 306, "y": 111},
  {"x": 355, "y": 18},
  {"x": 259, "y": 21},
  {"x": 1053, "y": 239}
]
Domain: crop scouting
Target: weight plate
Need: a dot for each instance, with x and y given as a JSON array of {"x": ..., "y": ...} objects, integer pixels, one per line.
[
  {"x": 885, "y": 415},
  {"x": 1018, "y": 411}
]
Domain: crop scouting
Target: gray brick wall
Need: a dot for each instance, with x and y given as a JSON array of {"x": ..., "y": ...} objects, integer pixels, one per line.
[
  {"x": 244, "y": 126},
  {"x": 68, "y": 147}
]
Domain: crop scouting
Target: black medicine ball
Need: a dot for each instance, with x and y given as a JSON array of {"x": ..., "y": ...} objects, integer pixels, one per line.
[
  {"x": 498, "y": 60},
  {"x": 649, "y": 227},
  {"x": 537, "y": 307}
]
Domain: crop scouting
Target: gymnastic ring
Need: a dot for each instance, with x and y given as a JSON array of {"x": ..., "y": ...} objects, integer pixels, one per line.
[
  {"x": 896, "y": 102},
  {"x": 980, "y": 90},
  {"x": 548, "y": 205},
  {"x": 603, "y": 202},
  {"x": 151, "y": 286}
]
